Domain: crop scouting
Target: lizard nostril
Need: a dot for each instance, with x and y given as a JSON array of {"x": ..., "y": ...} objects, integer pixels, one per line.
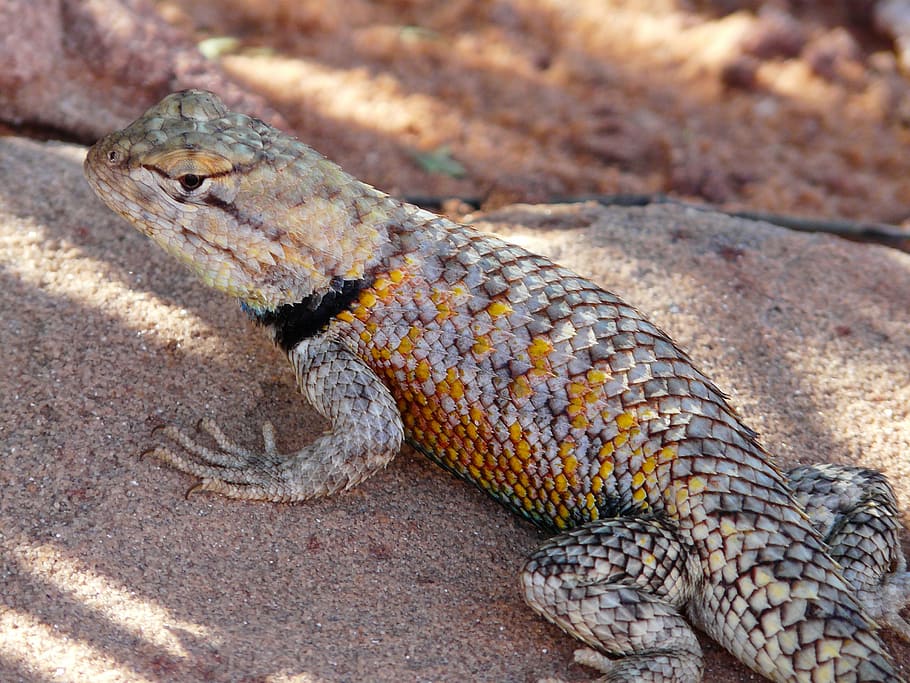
[{"x": 113, "y": 156}]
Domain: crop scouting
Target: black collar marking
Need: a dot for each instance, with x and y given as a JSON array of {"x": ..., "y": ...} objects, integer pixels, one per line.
[{"x": 307, "y": 318}]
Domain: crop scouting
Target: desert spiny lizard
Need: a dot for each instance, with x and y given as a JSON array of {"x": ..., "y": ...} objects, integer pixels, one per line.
[{"x": 551, "y": 394}]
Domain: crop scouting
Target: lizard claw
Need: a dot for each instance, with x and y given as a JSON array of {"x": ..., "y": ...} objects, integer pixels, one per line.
[
  {"x": 146, "y": 452},
  {"x": 198, "y": 487},
  {"x": 593, "y": 659}
]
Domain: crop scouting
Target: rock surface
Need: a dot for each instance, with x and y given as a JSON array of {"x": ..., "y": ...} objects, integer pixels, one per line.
[
  {"x": 107, "y": 573},
  {"x": 87, "y": 67}
]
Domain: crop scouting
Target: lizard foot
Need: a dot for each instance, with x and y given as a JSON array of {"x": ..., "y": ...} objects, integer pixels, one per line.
[
  {"x": 366, "y": 434},
  {"x": 618, "y": 585},
  {"x": 651, "y": 669},
  {"x": 230, "y": 469},
  {"x": 333, "y": 462},
  {"x": 884, "y": 602}
]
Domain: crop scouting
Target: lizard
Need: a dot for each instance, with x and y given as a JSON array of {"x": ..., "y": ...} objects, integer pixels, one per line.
[{"x": 551, "y": 394}]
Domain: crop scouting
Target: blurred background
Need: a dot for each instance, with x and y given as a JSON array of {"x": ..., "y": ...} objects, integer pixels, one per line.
[{"x": 798, "y": 106}]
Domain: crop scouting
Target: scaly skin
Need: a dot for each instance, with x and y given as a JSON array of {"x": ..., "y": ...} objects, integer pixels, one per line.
[{"x": 549, "y": 393}]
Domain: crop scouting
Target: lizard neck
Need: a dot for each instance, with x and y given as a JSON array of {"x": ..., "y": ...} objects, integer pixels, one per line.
[
  {"x": 325, "y": 227},
  {"x": 413, "y": 239},
  {"x": 401, "y": 233}
]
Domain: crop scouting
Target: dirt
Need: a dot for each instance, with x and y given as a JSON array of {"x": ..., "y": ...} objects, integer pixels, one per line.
[{"x": 791, "y": 107}]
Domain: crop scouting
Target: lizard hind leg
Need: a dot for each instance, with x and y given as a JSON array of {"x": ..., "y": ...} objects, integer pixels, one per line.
[
  {"x": 617, "y": 585},
  {"x": 855, "y": 511}
]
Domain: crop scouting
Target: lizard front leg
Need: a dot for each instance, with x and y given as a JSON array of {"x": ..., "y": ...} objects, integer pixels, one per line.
[{"x": 366, "y": 432}]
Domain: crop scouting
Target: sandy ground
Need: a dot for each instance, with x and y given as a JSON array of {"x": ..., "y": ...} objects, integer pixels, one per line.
[{"x": 108, "y": 573}]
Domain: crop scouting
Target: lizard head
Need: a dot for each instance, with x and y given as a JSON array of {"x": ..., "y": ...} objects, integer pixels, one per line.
[{"x": 252, "y": 211}]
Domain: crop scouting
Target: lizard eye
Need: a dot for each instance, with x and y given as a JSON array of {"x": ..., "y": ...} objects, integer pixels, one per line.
[{"x": 190, "y": 181}]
